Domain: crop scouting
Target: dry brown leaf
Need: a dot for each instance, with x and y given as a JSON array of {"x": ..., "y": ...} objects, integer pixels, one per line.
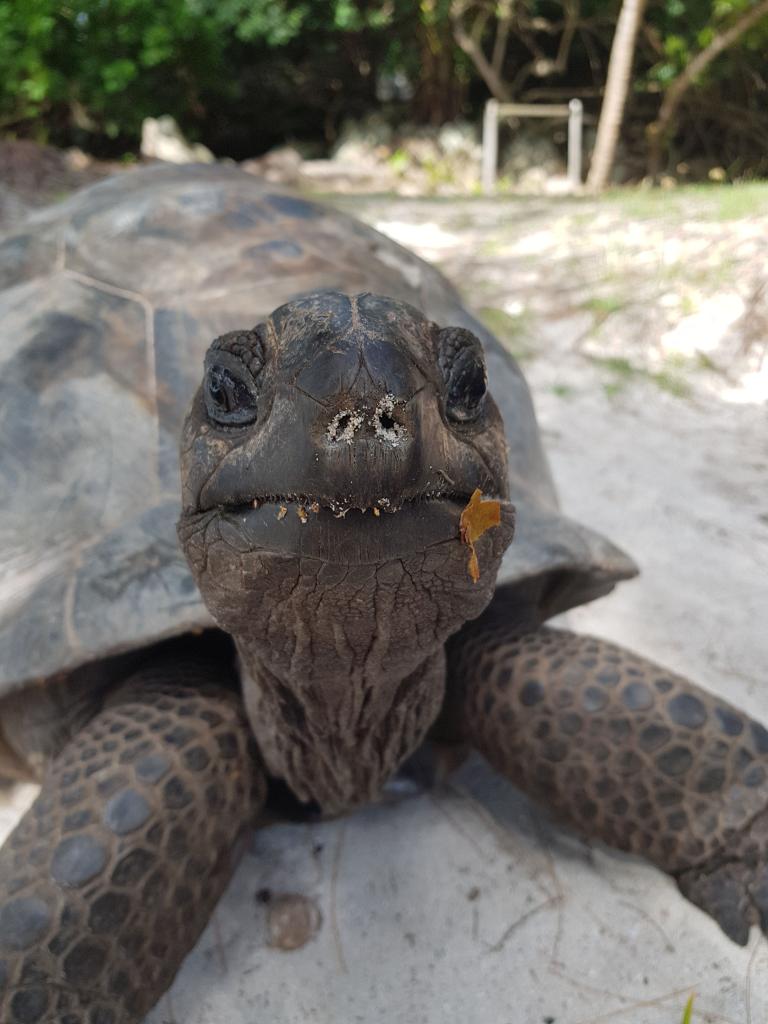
[{"x": 476, "y": 518}]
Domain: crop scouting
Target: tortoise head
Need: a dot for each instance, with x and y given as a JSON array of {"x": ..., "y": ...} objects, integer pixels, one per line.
[{"x": 341, "y": 437}]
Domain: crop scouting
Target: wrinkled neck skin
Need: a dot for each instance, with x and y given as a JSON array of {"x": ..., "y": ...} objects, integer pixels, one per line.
[
  {"x": 343, "y": 665},
  {"x": 339, "y": 703}
]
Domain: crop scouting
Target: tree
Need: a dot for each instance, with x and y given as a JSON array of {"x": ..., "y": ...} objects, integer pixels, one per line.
[
  {"x": 486, "y": 30},
  {"x": 658, "y": 131},
  {"x": 101, "y": 65},
  {"x": 616, "y": 87},
  {"x": 470, "y": 39}
]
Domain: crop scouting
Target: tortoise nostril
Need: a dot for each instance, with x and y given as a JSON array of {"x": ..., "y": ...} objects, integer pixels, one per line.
[
  {"x": 352, "y": 424},
  {"x": 384, "y": 424},
  {"x": 343, "y": 425}
]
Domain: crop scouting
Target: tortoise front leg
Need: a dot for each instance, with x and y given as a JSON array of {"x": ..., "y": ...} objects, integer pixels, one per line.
[
  {"x": 110, "y": 877},
  {"x": 628, "y": 753}
]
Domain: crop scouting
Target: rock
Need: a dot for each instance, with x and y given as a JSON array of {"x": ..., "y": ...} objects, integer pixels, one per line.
[
  {"x": 162, "y": 139},
  {"x": 293, "y": 920},
  {"x": 410, "y": 160},
  {"x": 357, "y": 153},
  {"x": 76, "y": 160},
  {"x": 364, "y": 136},
  {"x": 334, "y": 175},
  {"x": 282, "y": 166},
  {"x": 531, "y": 158},
  {"x": 459, "y": 138}
]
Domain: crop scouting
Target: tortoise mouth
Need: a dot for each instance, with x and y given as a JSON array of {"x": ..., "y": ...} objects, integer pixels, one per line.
[
  {"x": 300, "y": 526},
  {"x": 304, "y": 506}
]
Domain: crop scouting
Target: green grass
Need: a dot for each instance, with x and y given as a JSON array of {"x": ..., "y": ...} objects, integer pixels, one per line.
[
  {"x": 512, "y": 331},
  {"x": 604, "y": 305},
  {"x": 688, "y": 1012},
  {"x": 702, "y": 361},
  {"x": 652, "y": 280},
  {"x": 746, "y": 200},
  {"x": 493, "y": 246},
  {"x": 721, "y": 202},
  {"x": 620, "y": 372},
  {"x": 671, "y": 383},
  {"x": 617, "y": 365}
]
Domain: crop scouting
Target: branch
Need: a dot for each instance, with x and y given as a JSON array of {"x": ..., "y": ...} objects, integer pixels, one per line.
[
  {"x": 530, "y": 41},
  {"x": 502, "y": 35},
  {"x": 652, "y": 35},
  {"x": 659, "y": 129},
  {"x": 721, "y": 42},
  {"x": 537, "y": 24},
  {"x": 543, "y": 66},
  {"x": 551, "y": 93},
  {"x": 471, "y": 46},
  {"x": 566, "y": 39}
]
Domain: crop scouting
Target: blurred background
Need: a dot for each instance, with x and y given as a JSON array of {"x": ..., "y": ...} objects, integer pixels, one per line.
[
  {"x": 379, "y": 105},
  {"x": 637, "y": 305},
  {"x": 394, "y": 88}
]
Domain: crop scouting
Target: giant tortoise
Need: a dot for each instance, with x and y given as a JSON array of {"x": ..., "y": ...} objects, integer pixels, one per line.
[{"x": 352, "y": 594}]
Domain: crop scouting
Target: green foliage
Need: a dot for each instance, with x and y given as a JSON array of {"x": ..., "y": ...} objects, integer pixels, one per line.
[
  {"x": 688, "y": 1012},
  {"x": 274, "y": 22},
  {"x": 242, "y": 75},
  {"x": 278, "y": 22},
  {"x": 102, "y": 65},
  {"x": 86, "y": 70},
  {"x": 686, "y": 28},
  {"x": 399, "y": 161}
]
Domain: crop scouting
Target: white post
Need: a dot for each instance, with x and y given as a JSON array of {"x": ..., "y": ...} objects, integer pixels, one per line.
[
  {"x": 490, "y": 153},
  {"x": 575, "y": 120}
]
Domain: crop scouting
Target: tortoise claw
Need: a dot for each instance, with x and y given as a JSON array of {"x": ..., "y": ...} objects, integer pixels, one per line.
[
  {"x": 722, "y": 894},
  {"x": 732, "y": 892}
]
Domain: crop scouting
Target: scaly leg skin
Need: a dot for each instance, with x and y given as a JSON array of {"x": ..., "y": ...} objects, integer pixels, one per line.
[
  {"x": 110, "y": 877},
  {"x": 627, "y": 752}
]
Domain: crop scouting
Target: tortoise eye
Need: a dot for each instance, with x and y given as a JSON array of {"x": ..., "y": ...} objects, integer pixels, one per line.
[
  {"x": 463, "y": 367},
  {"x": 229, "y": 399}
]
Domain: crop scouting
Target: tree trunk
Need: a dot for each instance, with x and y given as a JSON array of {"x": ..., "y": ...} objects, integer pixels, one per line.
[
  {"x": 439, "y": 91},
  {"x": 658, "y": 131},
  {"x": 616, "y": 87}
]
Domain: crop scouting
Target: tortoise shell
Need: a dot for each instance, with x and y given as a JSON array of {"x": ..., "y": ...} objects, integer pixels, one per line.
[{"x": 108, "y": 303}]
